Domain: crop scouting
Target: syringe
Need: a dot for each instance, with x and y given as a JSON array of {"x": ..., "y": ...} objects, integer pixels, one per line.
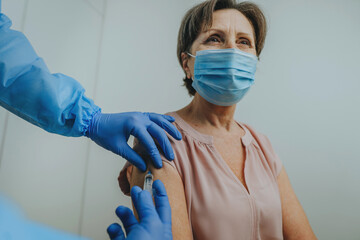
[{"x": 148, "y": 182}]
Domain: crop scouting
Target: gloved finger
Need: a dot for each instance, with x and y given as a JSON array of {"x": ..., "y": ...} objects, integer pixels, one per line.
[
  {"x": 159, "y": 134},
  {"x": 143, "y": 203},
  {"x": 115, "y": 232},
  {"x": 134, "y": 192},
  {"x": 127, "y": 218},
  {"x": 169, "y": 118},
  {"x": 162, "y": 202},
  {"x": 146, "y": 140},
  {"x": 129, "y": 154},
  {"x": 163, "y": 122}
]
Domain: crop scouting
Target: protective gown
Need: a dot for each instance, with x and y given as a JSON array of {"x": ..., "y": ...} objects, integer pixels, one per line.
[{"x": 54, "y": 102}]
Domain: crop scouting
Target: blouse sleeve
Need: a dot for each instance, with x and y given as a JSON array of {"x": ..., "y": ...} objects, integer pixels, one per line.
[
  {"x": 275, "y": 162},
  {"x": 268, "y": 150}
]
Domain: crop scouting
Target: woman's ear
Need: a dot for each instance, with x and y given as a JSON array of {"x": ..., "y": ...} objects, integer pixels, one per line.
[{"x": 185, "y": 60}]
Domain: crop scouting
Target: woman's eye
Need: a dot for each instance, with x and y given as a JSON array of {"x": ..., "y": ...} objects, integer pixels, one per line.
[
  {"x": 214, "y": 39},
  {"x": 244, "y": 42}
]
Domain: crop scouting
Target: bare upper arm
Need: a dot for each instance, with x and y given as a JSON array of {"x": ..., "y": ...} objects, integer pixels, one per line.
[
  {"x": 295, "y": 222},
  {"x": 174, "y": 187}
]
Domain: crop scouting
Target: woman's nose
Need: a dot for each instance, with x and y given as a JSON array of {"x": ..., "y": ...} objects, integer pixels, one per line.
[{"x": 230, "y": 44}]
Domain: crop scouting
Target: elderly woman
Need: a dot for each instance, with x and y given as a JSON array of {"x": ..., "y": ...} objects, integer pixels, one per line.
[{"x": 226, "y": 182}]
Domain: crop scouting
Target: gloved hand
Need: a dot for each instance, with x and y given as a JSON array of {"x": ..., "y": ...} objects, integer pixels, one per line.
[
  {"x": 153, "y": 225},
  {"x": 112, "y": 131}
]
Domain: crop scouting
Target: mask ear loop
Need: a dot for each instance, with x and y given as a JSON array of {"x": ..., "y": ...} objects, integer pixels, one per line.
[
  {"x": 190, "y": 55},
  {"x": 192, "y": 78}
]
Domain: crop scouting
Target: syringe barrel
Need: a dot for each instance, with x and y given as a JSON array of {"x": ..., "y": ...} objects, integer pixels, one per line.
[{"x": 148, "y": 182}]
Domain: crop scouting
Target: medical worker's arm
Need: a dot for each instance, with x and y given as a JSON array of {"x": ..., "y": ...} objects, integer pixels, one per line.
[
  {"x": 54, "y": 102},
  {"x": 57, "y": 104},
  {"x": 155, "y": 221},
  {"x": 13, "y": 225}
]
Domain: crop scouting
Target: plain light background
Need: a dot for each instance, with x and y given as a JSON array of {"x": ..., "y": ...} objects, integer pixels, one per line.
[{"x": 305, "y": 99}]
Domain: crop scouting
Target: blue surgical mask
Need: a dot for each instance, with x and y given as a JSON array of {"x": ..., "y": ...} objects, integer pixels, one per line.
[{"x": 223, "y": 76}]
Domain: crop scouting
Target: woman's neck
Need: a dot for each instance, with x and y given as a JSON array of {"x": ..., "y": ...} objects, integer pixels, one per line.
[{"x": 202, "y": 113}]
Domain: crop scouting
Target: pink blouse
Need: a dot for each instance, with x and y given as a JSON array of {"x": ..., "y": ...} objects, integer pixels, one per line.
[{"x": 218, "y": 205}]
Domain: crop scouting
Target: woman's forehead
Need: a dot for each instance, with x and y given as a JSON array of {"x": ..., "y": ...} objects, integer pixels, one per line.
[{"x": 230, "y": 19}]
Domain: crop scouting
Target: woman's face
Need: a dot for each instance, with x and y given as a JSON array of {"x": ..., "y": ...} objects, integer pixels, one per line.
[{"x": 230, "y": 29}]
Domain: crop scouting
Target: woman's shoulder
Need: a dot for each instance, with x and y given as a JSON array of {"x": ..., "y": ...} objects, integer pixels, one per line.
[
  {"x": 189, "y": 134},
  {"x": 259, "y": 136},
  {"x": 263, "y": 143}
]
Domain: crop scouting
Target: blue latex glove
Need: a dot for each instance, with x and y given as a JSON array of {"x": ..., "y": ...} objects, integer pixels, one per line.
[
  {"x": 112, "y": 131},
  {"x": 57, "y": 103},
  {"x": 155, "y": 224}
]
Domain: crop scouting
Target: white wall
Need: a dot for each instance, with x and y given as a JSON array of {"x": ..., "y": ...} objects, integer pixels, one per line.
[{"x": 124, "y": 53}]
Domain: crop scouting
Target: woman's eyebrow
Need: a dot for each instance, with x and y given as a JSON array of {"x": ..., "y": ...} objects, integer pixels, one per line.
[
  {"x": 213, "y": 30},
  {"x": 244, "y": 33},
  {"x": 221, "y": 31}
]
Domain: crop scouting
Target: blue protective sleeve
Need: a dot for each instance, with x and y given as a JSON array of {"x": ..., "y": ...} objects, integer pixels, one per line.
[
  {"x": 54, "y": 102},
  {"x": 13, "y": 225}
]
